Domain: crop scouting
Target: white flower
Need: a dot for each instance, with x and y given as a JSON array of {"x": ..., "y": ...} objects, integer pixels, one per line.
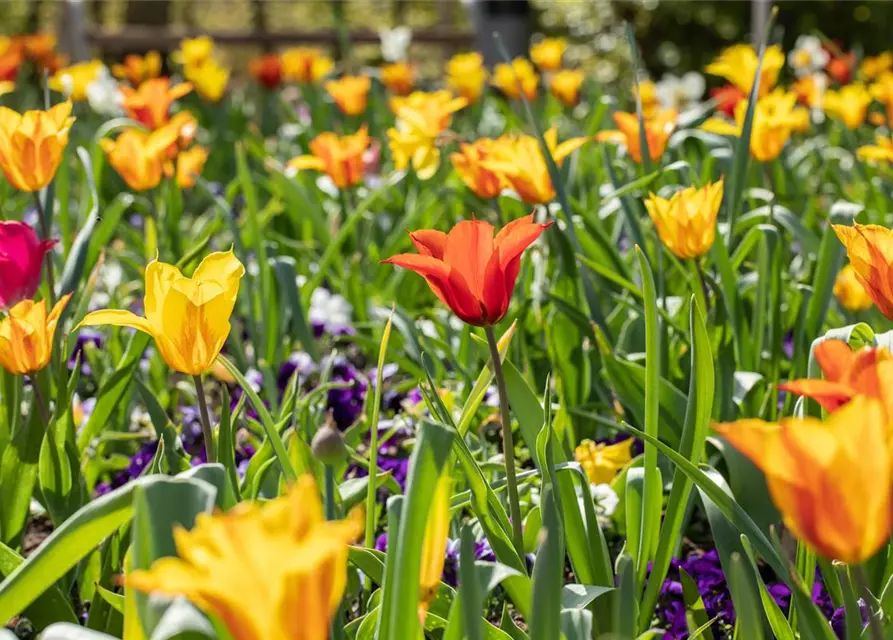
[
  {"x": 395, "y": 43},
  {"x": 807, "y": 56},
  {"x": 605, "y": 498},
  {"x": 329, "y": 309},
  {"x": 103, "y": 95},
  {"x": 680, "y": 93}
]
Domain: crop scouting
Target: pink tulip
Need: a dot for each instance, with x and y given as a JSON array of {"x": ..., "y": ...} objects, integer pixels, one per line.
[{"x": 21, "y": 261}]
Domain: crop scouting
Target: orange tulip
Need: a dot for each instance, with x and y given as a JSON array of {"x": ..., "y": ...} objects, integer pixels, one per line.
[
  {"x": 189, "y": 165},
  {"x": 26, "y": 335},
  {"x": 472, "y": 272},
  {"x": 31, "y": 145},
  {"x": 136, "y": 69},
  {"x": 398, "y": 77},
  {"x": 140, "y": 157},
  {"x": 832, "y": 480},
  {"x": 657, "y": 132},
  {"x": 870, "y": 250},
  {"x": 547, "y": 53},
  {"x": 267, "y": 70},
  {"x": 848, "y": 373},
  {"x": 350, "y": 93},
  {"x": 341, "y": 157},
  {"x": 305, "y": 64},
  {"x": 150, "y": 103},
  {"x": 566, "y": 86},
  {"x": 469, "y": 164}
]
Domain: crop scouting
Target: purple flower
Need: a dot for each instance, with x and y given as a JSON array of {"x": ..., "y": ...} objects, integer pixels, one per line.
[
  {"x": 346, "y": 404},
  {"x": 299, "y": 361},
  {"x": 85, "y": 336}
]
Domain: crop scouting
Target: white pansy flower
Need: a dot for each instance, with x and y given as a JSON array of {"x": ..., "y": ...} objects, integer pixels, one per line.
[
  {"x": 807, "y": 56},
  {"x": 680, "y": 93},
  {"x": 103, "y": 95},
  {"x": 605, "y": 498},
  {"x": 329, "y": 309},
  {"x": 395, "y": 43}
]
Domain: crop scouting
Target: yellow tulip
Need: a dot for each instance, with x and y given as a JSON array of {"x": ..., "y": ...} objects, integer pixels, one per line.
[
  {"x": 31, "y": 145},
  {"x": 849, "y": 105},
  {"x": 139, "y": 157},
  {"x": 738, "y": 65},
  {"x": 421, "y": 118},
  {"x": 874, "y": 66},
  {"x": 870, "y": 250},
  {"x": 657, "y": 132},
  {"x": 350, "y": 93},
  {"x": 275, "y": 571},
  {"x": 832, "y": 480},
  {"x": 880, "y": 151},
  {"x": 566, "y": 85},
  {"x": 516, "y": 78},
  {"x": 136, "y": 68},
  {"x": 602, "y": 462},
  {"x": 651, "y": 105},
  {"x": 466, "y": 75},
  {"x": 194, "y": 51},
  {"x": 189, "y": 165},
  {"x": 850, "y": 292},
  {"x": 209, "y": 79},
  {"x": 73, "y": 81},
  {"x": 188, "y": 317},
  {"x": 434, "y": 543},
  {"x": 26, "y": 336},
  {"x": 686, "y": 222},
  {"x": 305, "y": 64},
  {"x": 547, "y": 53}
]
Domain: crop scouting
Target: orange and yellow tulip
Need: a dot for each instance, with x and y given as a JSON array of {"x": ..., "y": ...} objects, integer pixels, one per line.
[
  {"x": 466, "y": 75},
  {"x": 398, "y": 77},
  {"x": 305, "y": 64},
  {"x": 136, "y": 68},
  {"x": 350, "y": 93},
  {"x": 686, "y": 222},
  {"x": 188, "y": 317},
  {"x": 548, "y": 52},
  {"x": 267, "y": 70},
  {"x": 470, "y": 162},
  {"x": 189, "y": 165},
  {"x": 295, "y": 560},
  {"x": 657, "y": 132},
  {"x": 850, "y": 292},
  {"x": 26, "y": 335},
  {"x": 651, "y": 104},
  {"x": 832, "y": 481},
  {"x": 340, "y": 157},
  {"x": 468, "y": 269},
  {"x": 869, "y": 248},
  {"x": 566, "y": 85},
  {"x": 865, "y": 372},
  {"x": 516, "y": 78},
  {"x": 849, "y": 105},
  {"x": 31, "y": 145},
  {"x": 150, "y": 103},
  {"x": 738, "y": 65},
  {"x": 602, "y": 462},
  {"x": 140, "y": 157}
]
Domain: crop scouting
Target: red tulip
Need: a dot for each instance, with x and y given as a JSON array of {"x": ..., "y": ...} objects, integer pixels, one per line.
[
  {"x": 472, "y": 272},
  {"x": 21, "y": 260}
]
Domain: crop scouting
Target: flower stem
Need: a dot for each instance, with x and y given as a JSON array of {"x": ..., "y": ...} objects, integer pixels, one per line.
[
  {"x": 337, "y": 626},
  {"x": 47, "y": 259},
  {"x": 508, "y": 444},
  {"x": 207, "y": 434},
  {"x": 874, "y": 628}
]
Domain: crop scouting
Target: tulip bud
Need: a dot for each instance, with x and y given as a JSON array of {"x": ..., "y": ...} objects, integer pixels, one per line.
[
  {"x": 328, "y": 445},
  {"x": 21, "y": 260}
]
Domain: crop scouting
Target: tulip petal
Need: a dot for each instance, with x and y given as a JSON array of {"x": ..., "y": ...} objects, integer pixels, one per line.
[
  {"x": 224, "y": 268},
  {"x": 834, "y": 358},
  {"x": 468, "y": 250},
  {"x": 160, "y": 277},
  {"x": 116, "y": 318},
  {"x": 435, "y": 272},
  {"x": 830, "y": 395},
  {"x": 429, "y": 242}
]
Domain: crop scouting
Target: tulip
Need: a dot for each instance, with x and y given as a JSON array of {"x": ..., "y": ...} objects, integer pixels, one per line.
[
  {"x": 850, "y": 104},
  {"x": 341, "y": 157},
  {"x": 194, "y": 52},
  {"x": 468, "y": 269},
  {"x": 810, "y": 90},
  {"x": 727, "y": 99},
  {"x": 267, "y": 70},
  {"x": 650, "y": 99},
  {"x": 398, "y": 77},
  {"x": 547, "y": 53},
  {"x": 466, "y": 75},
  {"x": 516, "y": 78},
  {"x": 850, "y": 292},
  {"x": 150, "y": 103},
  {"x": 434, "y": 543},
  {"x": 882, "y": 91},
  {"x": 209, "y": 79},
  {"x": 189, "y": 165},
  {"x": 10, "y": 60},
  {"x": 880, "y": 151},
  {"x": 566, "y": 85},
  {"x": 602, "y": 462},
  {"x": 38, "y": 46},
  {"x": 868, "y": 248},
  {"x": 294, "y": 560},
  {"x": 738, "y": 65},
  {"x": 21, "y": 260},
  {"x": 26, "y": 336},
  {"x": 139, "y": 157},
  {"x": 873, "y": 66},
  {"x": 832, "y": 481},
  {"x": 469, "y": 164},
  {"x": 657, "y": 132},
  {"x": 840, "y": 66},
  {"x": 31, "y": 145},
  {"x": 136, "y": 69},
  {"x": 421, "y": 118},
  {"x": 686, "y": 222},
  {"x": 350, "y": 93},
  {"x": 73, "y": 81},
  {"x": 519, "y": 160},
  {"x": 305, "y": 64}
]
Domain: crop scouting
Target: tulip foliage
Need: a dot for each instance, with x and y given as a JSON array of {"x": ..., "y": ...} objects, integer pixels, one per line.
[{"x": 333, "y": 351}]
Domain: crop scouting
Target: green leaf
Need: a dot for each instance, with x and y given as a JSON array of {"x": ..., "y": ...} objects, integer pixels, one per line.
[
  {"x": 748, "y": 618},
  {"x": 695, "y": 612},
  {"x": 116, "y": 600},
  {"x": 369, "y": 561},
  {"x": 52, "y": 606},
  {"x": 548, "y": 574},
  {"x": 578, "y": 596}
]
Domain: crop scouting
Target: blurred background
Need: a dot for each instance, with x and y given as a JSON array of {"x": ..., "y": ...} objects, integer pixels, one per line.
[{"x": 674, "y": 36}]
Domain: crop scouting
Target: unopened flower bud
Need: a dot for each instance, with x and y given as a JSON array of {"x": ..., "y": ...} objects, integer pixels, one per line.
[{"x": 328, "y": 445}]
